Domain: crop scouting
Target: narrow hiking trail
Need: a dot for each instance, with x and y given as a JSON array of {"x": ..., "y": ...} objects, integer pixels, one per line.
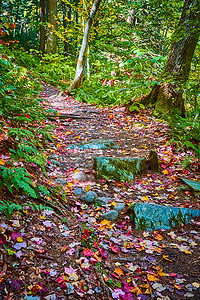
[{"x": 72, "y": 251}]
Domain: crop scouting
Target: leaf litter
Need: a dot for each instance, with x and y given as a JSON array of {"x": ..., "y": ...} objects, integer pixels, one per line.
[{"x": 77, "y": 255}]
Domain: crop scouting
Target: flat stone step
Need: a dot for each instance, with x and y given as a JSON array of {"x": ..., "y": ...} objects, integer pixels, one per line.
[
  {"x": 94, "y": 144},
  {"x": 147, "y": 216},
  {"x": 119, "y": 168}
]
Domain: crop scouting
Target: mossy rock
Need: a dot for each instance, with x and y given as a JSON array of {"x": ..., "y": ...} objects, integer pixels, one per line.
[
  {"x": 119, "y": 168},
  {"x": 147, "y": 216}
]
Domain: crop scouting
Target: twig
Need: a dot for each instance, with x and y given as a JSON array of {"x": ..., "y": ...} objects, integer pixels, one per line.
[{"x": 102, "y": 282}]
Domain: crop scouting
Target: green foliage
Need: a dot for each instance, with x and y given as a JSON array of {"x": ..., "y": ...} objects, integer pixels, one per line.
[
  {"x": 186, "y": 131},
  {"x": 7, "y": 208},
  {"x": 17, "y": 178}
]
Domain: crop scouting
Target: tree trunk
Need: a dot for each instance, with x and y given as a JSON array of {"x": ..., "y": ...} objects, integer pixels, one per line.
[
  {"x": 42, "y": 28},
  {"x": 64, "y": 25},
  {"x": 82, "y": 55},
  {"x": 52, "y": 37},
  {"x": 168, "y": 96}
]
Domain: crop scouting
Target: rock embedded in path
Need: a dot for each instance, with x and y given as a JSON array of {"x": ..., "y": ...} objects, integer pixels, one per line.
[
  {"x": 61, "y": 181},
  {"x": 147, "y": 216},
  {"x": 78, "y": 191},
  {"x": 89, "y": 197},
  {"x": 119, "y": 168},
  {"x": 192, "y": 185},
  {"x": 79, "y": 175},
  {"x": 102, "y": 201},
  {"x": 120, "y": 206},
  {"x": 109, "y": 215},
  {"x": 94, "y": 144}
]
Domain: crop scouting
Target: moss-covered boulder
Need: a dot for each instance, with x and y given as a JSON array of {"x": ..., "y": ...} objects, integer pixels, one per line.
[
  {"x": 95, "y": 144},
  {"x": 147, "y": 216},
  {"x": 118, "y": 168}
]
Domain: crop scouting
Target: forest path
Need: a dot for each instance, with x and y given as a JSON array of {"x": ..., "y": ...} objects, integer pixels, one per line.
[{"x": 76, "y": 255}]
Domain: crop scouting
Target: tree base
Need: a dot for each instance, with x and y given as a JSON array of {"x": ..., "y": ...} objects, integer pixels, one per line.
[{"x": 166, "y": 98}]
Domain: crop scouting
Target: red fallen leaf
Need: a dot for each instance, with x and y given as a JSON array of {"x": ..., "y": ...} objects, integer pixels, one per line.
[
  {"x": 96, "y": 244},
  {"x": 64, "y": 248},
  {"x": 172, "y": 274},
  {"x": 61, "y": 279},
  {"x": 104, "y": 253},
  {"x": 114, "y": 275},
  {"x": 13, "y": 25},
  {"x": 93, "y": 260},
  {"x": 114, "y": 248},
  {"x": 39, "y": 287},
  {"x": 163, "y": 166},
  {"x": 40, "y": 251},
  {"x": 15, "y": 235},
  {"x": 2, "y": 240},
  {"x": 88, "y": 252}
]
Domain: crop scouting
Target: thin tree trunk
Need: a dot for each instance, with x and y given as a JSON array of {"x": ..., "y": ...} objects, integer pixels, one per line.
[
  {"x": 64, "y": 25},
  {"x": 52, "y": 37},
  {"x": 17, "y": 11},
  {"x": 168, "y": 96},
  {"x": 42, "y": 28},
  {"x": 82, "y": 55}
]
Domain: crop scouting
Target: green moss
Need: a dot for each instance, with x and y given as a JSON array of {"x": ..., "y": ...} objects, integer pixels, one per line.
[{"x": 119, "y": 168}]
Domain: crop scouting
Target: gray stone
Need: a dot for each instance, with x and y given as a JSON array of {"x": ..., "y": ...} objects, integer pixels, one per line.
[
  {"x": 55, "y": 162},
  {"x": 89, "y": 197},
  {"x": 101, "y": 201},
  {"x": 80, "y": 175},
  {"x": 78, "y": 191},
  {"x": 118, "y": 168},
  {"x": 147, "y": 216},
  {"x": 192, "y": 184},
  {"x": 95, "y": 144},
  {"x": 120, "y": 206},
  {"x": 110, "y": 215},
  {"x": 61, "y": 181}
]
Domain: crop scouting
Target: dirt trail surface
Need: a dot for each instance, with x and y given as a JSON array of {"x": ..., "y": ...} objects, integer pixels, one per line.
[{"x": 72, "y": 252}]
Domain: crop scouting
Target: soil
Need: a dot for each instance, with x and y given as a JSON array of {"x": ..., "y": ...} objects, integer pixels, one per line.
[{"x": 68, "y": 253}]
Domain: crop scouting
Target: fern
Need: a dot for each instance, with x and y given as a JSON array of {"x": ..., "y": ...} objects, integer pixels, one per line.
[
  {"x": 7, "y": 208},
  {"x": 17, "y": 178}
]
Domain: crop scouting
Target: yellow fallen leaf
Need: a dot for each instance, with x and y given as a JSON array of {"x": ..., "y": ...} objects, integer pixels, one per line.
[
  {"x": 187, "y": 252},
  {"x": 165, "y": 172},
  {"x": 161, "y": 273},
  {"x": 2, "y": 162},
  {"x": 87, "y": 188},
  {"x": 105, "y": 223},
  {"x": 145, "y": 198},
  {"x": 113, "y": 203},
  {"x": 19, "y": 239},
  {"x": 151, "y": 277},
  {"x": 119, "y": 271},
  {"x": 166, "y": 257}
]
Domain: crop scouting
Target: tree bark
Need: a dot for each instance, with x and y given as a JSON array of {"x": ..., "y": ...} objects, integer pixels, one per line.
[
  {"x": 64, "y": 25},
  {"x": 51, "y": 36},
  {"x": 82, "y": 54},
  {"x": 42, "y": 28},
  {"x": 168, "y": 96}
]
